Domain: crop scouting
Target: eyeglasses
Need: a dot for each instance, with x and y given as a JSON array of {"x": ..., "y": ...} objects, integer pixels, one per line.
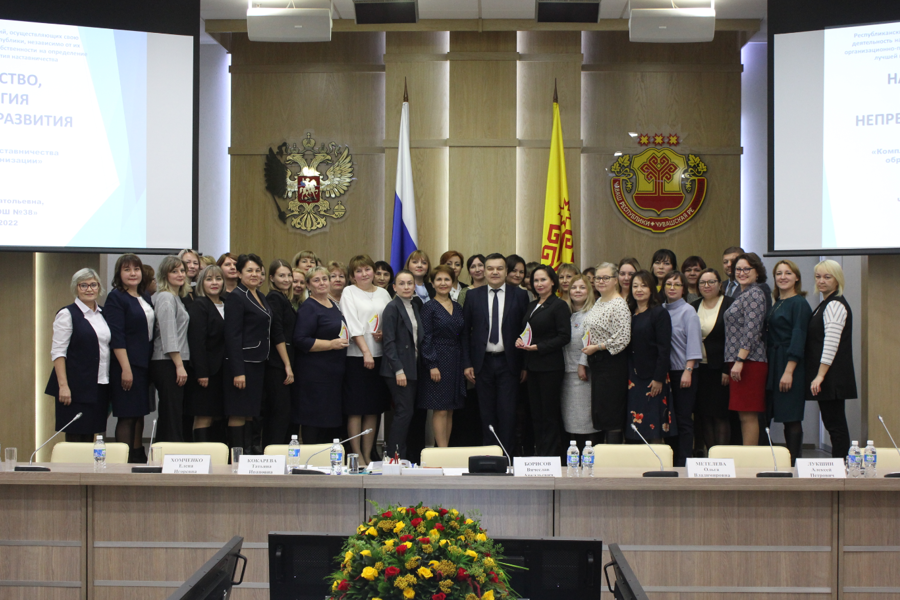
[
  {"x": 88, "y": 286},
  {"x": 603, "y": 278},
  {"x": 709, "y": 283},
  {"x": 674, "y": 285},
  {"x": 743, "y": 269}
]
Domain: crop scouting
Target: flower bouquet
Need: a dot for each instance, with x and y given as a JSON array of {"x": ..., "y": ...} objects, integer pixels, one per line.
[{"x": 417, "y": 552}]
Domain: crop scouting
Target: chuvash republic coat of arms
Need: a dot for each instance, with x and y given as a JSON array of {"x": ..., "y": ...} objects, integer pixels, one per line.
[
  {"x": 658, "y": 189},
  {"x": 306, "y": 178}
]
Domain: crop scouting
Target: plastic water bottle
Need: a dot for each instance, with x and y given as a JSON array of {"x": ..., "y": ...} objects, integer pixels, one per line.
[
  {"x": 99, "y": 454},
  {"x": 293, "y": 455},
  {"x": 870, "y": 460},
  {"x": 572, "y": 459},
  {"x": 337, "y": 457},
  {"x": 854, "y": 461},
  {"x": 587, "y": 460}
]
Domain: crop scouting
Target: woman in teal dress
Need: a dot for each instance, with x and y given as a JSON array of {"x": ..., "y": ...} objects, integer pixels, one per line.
[{"x": 785, "y": 343}]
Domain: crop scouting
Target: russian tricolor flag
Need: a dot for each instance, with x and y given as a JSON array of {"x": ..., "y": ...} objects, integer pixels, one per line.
[{"x": 404, "y": 238}]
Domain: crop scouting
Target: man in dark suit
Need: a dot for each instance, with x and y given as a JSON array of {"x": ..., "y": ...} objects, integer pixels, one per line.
[{"x": 493, "y": 315}]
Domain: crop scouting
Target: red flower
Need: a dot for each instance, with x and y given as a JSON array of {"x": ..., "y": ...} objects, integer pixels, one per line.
[
  {"x": 344, "y": 585},
  {"x": 443, "y": 512},
  {"x": 387, "y": 515},
  {"x": 494, "y": 578},
  {"x": 401, "y": 550},
  {"x": 424, "y": 540},
  {"x": 488, "y": 554},
  {"x": 439, "y": 527},
  {"x": 439, "y": 596},
  {"x": 416, "y": 522},
  {"x": 412, "y": 509},
  {"x": 391, "y": 572},
  {"x": 406, "y": 538},
  {"x": 461, "y": 575}
]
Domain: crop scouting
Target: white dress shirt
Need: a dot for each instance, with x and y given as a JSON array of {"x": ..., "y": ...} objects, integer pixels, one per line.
[
  {"x": 359, "y": 308},
  {"x": 62, "y": 334},
  {"x": 149, "y": 314},
  {"x": 501, "y": 299}
]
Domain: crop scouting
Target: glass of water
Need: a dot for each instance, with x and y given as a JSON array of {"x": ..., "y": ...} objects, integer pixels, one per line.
[
  {"x": 11, "y": 455},
  {"x": 236, "y": 454}
]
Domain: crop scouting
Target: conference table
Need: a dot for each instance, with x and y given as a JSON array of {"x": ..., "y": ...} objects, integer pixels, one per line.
[{"x": 72, "y": 533}]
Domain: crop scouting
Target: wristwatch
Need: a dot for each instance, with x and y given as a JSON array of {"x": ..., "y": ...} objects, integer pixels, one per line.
[
  {"x": 689, "y": 369},
  {"x": 739, "y": 359}
]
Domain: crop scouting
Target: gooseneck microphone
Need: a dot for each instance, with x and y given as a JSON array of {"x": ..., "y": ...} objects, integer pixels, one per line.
[
  {"x": 502, "y": 447},
  {"x": 776, "y": 472},
  {"x": 662, "y": 470},
  {"x": 30, "y": 466},
  {"x": 307, "y": 471},
  {"x": 895, "y": 474},
  {"x": 148, "y": 468}
]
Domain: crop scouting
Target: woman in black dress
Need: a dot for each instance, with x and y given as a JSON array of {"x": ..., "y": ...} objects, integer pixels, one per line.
[
  {"x": 131, "y": 319},
  {"x": 248, "y": 321},
  {"x": 80, "y": 353},
  {"x": 206, "y": 339},
  {"x": 443, "y": 390},
  {"x": 649, "y": 390},
  {"x": 830, "y": 377},
  {"x": 280, "y": 368},
  {"x": 320, "y": 339},
  {"x": 548, "y": 317}
]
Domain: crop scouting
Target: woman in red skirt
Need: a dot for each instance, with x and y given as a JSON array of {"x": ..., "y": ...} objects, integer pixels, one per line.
[{"x": 745, "y": 346}]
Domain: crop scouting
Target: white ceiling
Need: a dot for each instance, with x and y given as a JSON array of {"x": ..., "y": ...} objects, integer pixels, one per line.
[{"x": 474, "y": 9}]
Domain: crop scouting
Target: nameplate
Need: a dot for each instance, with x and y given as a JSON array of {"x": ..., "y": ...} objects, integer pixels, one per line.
[
  {"x": 821, "y": 468},
  {"x": 711, "y": 468},
  {"x": 261, "y": 465},
  {"x": 537, "y": 466},
  {"x": 187, "y": 464}
]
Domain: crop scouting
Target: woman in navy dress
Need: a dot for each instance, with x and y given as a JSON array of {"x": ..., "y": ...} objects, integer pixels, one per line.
[
  {"x": 321, "y": 358},
  {"x": 131, "y": 319},
  {"x": 444, "y": 390}
]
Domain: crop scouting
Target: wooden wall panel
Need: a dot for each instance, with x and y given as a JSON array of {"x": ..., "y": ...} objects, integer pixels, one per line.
[
  {"x": 691, "y": 89},
  {"x": 17, "y": 394}
]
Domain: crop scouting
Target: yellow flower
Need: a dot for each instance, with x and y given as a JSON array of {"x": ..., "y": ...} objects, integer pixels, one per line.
[
  {"x": 445, "y": 585},
  {"x": 379, "y": 566},
  {"x": 488, "y": 595},
  {"x": 481, "y": 537},
  {"x": 409, "y": 593},
  {"x": 401, "y": 510},
  {"x": 471, "y": 553},
  {"x": 430, "y": 514},
  {"x": 399, "y": 526},
  {"x": 444, "y": 542},
  {"x": 469, "y": 521},
  {"x": 360, "y": 529},
  {"x": 454, "y": 513},
  {"x": 433, "y": 563},
  {"x": 390, "y": 543},
  {"x": 461, "y": 537},
  {"x": 434, "y": 533},
  {"x": 372, "y": 531},
  {"x": 348, "y": 557},
  {"x": 489, "y": 562},
  {"x": 369, "y": 573},
  {"x": 424, "y": 573},
  {"x": 427, "y": 548},
  {"x": 366, "y": 553},
  {"x": 408, "y": 544},
  {"x": 334, "y": 586},
  {"x": 376, "y": 598},
  {"x": 471, "y": 597}
]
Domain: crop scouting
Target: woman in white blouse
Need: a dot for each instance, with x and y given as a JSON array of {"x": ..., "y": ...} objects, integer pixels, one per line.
[
  {"x": 170, "y": 347},
  {"x": 365, "y": 395},
  {"x": 80, "y": 354},
  {"x": 610, "y": 325}
]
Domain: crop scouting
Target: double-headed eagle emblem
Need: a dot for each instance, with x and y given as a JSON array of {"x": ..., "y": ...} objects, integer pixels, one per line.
[{"x": 296, "y": 175}]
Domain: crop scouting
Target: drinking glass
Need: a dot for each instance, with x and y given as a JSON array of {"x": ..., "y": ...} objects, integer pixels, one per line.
[
  {"x": 236, "y": 454},
  {"x": 11, "y": 459}
]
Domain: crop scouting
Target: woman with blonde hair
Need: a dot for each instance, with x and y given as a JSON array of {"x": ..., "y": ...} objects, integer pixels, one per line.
[
  {"x": 337, "y": 277},
  {"x": 566, "y": 273},
  {"x": 298, "y": 276},
  {"x": 168, "y": 370},
  {"x": 576, "y": 388},
  {"x": 305, "y": 260},
  {"x": 830, "y": 377},
  {"x": 192, "y": 266},
  {"x": 419, "y": 265}
]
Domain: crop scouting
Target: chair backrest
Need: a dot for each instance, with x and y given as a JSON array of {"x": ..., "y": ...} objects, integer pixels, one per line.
[
  {"x": 456, "y": 458},
  {"x": 218, "y": 452},
  {"x": 306, "y": 450},
  {"x": 632, "y": 455},
  {"x": 753, "y": 457},
  {"x": 888, "y": 460},
  {"x": 83, "y": 452}
]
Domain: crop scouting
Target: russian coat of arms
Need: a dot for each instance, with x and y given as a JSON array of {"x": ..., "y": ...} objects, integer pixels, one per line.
[
  {"x": 659, "y": 188},
  {"x": 307, "y": 179}
]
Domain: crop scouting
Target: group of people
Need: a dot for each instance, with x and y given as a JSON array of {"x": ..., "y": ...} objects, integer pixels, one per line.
[{"x": 525, "y": 354}]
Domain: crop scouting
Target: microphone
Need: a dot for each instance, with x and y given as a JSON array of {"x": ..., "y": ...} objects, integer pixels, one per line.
[
  {"x": 776, "y": 472},
  {"x": 895, "y": 474},
  {"x": 662, "y": 470},
  {"x": 148, "y": 468},
  {"x": 497, "y": 437},
  {"x": 307, "y": 471},
  {"x": 30, "y": 466}
]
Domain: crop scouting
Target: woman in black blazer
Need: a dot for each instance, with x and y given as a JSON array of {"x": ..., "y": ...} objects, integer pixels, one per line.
[
  {"x": 713, "y": 374},
  {"x": 548, "y": 317},
  {"x": 402, "y": 336},
  {"x": 248, "y": 322},
  {"x": 280, "y": 368},
  {"x": 206, "y": 339},
  {"x": 130, "y": 318}
]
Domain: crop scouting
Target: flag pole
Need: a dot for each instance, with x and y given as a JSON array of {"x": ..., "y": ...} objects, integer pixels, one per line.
[
  {"x": 555, "y": 96},
  {"x": 405, "y": 92}
]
